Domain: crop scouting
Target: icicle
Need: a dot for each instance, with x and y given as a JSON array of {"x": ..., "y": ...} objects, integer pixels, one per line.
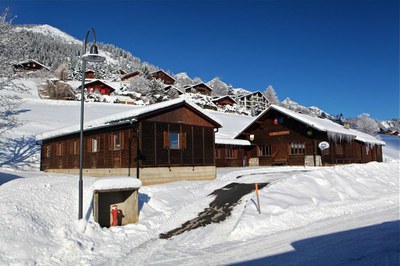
[{"x": 339, "y": 138}]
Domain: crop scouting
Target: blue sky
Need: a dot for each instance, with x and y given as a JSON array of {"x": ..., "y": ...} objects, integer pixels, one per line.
[{"x": 342, "y": 56}]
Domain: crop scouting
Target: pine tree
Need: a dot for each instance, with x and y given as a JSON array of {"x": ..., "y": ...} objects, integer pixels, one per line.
[{"x": 270, "y": 94}]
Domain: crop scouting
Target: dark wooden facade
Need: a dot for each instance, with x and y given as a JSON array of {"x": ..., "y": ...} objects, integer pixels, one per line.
[
  {"x": 231, "y": 155},
  {"x": 226, "y": 100},
  {"x": 130, "y": 75},
  {"x": 164, "y": 77},
  {"x": 98, "y": 86},
  {"x": 200, "y": 88},
  {"x": 89, "y": 74},
  {"x": 194, "y": 147},
  {"x": 30, "y": 65},
  {"x": 278, "y": 139}
]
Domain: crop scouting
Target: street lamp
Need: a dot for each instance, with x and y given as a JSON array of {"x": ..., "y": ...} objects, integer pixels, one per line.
[{"x": 91, "y": 56}]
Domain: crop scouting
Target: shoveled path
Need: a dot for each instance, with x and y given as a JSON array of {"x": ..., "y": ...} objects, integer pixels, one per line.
[{"x": 219, "y": 209}]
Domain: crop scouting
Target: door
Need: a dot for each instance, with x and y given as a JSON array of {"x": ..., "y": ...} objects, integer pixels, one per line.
[{"x": 280, "y": 153}]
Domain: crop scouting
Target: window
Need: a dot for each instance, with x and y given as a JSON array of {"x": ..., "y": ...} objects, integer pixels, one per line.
[
  {"x": 339, "y": 149},
  {"x": 117, "y": 141},
  {"x": 217, "y": 153},
  {"x": 174, "y": 140},
  {"x": 75, "y": 147},
  {"x": 48, "y": 151},
  {"x": 297, "y": 148},
  {"x": 231, "y": 153},
  {"x": 95, "y": 145},
  {"x": 59, "y": 149},
  {"x": 264, "y": 150}
]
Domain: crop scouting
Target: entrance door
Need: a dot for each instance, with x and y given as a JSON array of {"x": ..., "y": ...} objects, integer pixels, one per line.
[{"x": 280, "y": 154}]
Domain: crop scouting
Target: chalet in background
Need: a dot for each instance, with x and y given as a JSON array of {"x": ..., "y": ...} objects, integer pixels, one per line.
[
  {"x": 200, "y": 88},
  {"x": 163, "y": 76},
  {"x": 159, "y": 143},
  {"x": 253, "y": 100},
  {"x": 128, "y": 76},
  {"x": 98, "y": 86},
  {"x": 89, "y": 74},
  {"x": 30, "y": 65},
  {"x": 224, "y": 100}
]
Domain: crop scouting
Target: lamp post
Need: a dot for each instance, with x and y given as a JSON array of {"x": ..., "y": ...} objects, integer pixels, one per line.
[{"x": 91, "y": 56}]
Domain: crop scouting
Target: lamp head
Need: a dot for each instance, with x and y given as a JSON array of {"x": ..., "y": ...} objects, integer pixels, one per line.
[{"x": 93, "y": 55}]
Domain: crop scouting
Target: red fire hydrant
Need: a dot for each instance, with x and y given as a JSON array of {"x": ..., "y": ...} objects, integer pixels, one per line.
[{"x": 115, "y": 211}]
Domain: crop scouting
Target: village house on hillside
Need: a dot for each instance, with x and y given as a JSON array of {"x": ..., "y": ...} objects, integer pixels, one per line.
[
  {"x": 29, "y": 65},
  {"x": 253, "y": 100},
  {"x": 128, "y": 76},
  {"x": 200, "y": 88},
  {"x": 98, "y": 86},
  {"x": 279, "y": 136},
  {"x": 172, "y": 140},
  {"x": 224, "y": 100},
  {"x": 163, "y": 76}
]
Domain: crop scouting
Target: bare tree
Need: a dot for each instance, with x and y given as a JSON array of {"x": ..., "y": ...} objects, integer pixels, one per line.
[
  {"x": 9, "y": 99},
  {"x": 366, "y": 124}
]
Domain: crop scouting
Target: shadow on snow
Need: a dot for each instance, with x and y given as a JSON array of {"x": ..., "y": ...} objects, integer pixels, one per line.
[
  {"x": 18, "y": 153},
  {"x": 372, "y": 245}
]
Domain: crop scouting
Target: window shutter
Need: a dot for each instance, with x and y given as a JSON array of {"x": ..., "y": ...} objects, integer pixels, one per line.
[
  {"x": 110, "y": 142},
  {"x": 121, "y": 136},
  {"x": 89, "y": 144},
  {"x": 182, "y": 139},
  {"x": 166, "y": 139}
]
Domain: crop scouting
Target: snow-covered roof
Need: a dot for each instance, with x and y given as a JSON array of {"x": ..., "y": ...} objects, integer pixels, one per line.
[
  {"x": 32, "y": 61},
  {"x": 154, "y": 72},
  {"x": 223, "y": 97},
  {"x": 333, "y": 130},
  {"x": 198, "y": 84},
  {"x": 231, "y": 125},
  {"x": 113, "y": 85},
  {"x": 116, "y": 182},
  {"x": 252, "y": 93},
  {"x": 123, "y": 118}
]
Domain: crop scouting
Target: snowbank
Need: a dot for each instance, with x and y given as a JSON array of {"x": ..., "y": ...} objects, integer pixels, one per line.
[{"x": 39, "y": 216}]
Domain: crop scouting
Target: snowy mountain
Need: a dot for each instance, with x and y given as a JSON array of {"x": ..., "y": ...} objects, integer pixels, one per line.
[
  {"x": 312, "y": 110},
  {"x": 50, "y": 32},
  {"x": 52, "y": 47}
]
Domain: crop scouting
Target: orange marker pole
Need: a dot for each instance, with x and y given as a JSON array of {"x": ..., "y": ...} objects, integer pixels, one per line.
[{"x": 258, "y": 199}]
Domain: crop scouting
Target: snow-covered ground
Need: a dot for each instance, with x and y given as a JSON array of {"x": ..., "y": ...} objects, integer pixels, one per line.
[{"x": 338, "y": 215}]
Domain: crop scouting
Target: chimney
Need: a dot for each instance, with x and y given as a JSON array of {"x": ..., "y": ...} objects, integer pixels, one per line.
[{"x": 346, "y": 124}]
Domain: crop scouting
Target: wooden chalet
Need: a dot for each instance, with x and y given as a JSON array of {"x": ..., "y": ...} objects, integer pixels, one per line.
[
  {"x": 98, "y": 86},
  {"x": 157, "y": 143},
  {"x": 30, "y": 65},
  {"x": 230, "y": 151},
  {"x": 171, "y": 89},
  {"x": 200, "y": 88},
  {"x": 130, "y": 75},
  {"x": 279, "y": 136},
  {"x": 163, "y": 76},
  {"x": 89, "y": 74},
  {"x": 224, "y": 100}
]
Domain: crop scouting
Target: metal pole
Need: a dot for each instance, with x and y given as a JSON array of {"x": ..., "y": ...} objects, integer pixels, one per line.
[
  {"x": 137, "y": 149},
  {"x": 81, "y": 142}
]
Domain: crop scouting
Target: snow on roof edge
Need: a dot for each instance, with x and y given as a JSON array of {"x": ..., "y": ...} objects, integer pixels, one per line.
[
  {"x": 116, "y": 182},
  {"x": 121, "y": 118},
  {"x": 318, "y": 124}
]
